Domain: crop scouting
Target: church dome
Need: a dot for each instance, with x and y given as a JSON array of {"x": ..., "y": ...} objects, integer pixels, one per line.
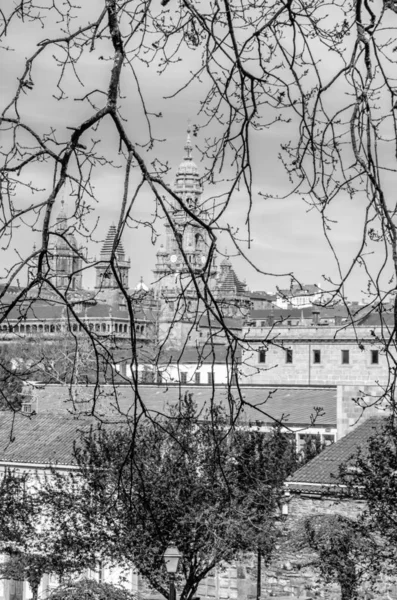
[{"x": 187, "y": 167}]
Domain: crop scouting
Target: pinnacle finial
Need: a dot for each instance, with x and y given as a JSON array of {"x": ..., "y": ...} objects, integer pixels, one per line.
[{"x": 188, "y": 145}]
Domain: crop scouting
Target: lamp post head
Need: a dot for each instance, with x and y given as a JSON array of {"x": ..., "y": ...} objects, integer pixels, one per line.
[{"x": 171, "y": 559}]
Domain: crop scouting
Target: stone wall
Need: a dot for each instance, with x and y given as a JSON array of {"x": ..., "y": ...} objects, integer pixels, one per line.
[
  {"x": 303, "y": 341},
  {"x": 289, "y": 575},
  {"x": 356, "y": 403}
]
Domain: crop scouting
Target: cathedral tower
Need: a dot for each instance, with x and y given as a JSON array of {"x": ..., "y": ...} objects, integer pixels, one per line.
[
  {"x": 65, "y": 257},
  {"x": 186, "y": 241},
  {"x": 182, "y": 259}
]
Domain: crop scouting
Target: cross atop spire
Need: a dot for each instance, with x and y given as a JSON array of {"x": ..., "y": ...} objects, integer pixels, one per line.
[{"x": 188, "y": 146}]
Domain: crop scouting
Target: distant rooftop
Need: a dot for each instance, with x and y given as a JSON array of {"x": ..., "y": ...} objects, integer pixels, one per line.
[
  {"x": 323, "y": 469},
  {"x": 294, "y": 406}
]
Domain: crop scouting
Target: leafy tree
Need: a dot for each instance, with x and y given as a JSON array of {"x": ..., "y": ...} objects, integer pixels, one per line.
[
  {"x": 11, "y": 383},
  {"x": 40, "y": 533},
  {"x": 370, "y": 476},
  {"x": 342, "y": 550},
  {"x": 182, "y": 479},
  {"x": 262, "y": 461},
  {"x": 311, "y": 448},
  {"x": 90, "y": 589}
]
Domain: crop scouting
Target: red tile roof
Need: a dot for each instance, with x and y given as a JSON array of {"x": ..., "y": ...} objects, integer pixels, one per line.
[
  {"x": 324, "y": 468},
  {"x": 292, "y": 406},
  {"x": 206, "y": 354},
  {"x": 42, "y": 439}
]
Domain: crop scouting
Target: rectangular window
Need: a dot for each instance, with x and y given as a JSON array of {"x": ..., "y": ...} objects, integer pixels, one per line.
[
  {"x": 345, "y": 357},
  {"x": 262, "y": 356},
  {"x": 289, "y": 356},
  {"x": 374, "y": 357},
  {"x": 183, "y": 377},
  {"x": 316, "y": 357},
  {"x": 159, "y": 378},
  {"x": 197, "y": 378},
  {"x": 210, "y": 377}
]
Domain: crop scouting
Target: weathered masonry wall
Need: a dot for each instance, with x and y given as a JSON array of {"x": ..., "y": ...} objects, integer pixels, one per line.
[{"x": 271, "y": 367}]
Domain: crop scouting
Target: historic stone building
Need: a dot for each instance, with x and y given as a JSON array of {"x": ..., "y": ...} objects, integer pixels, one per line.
[
  {"x": 62, "y": 304},
  {"x": 173, "y": 310},
  {"x": 64, "y": 258},
  {"x": 187, "y": 260}
]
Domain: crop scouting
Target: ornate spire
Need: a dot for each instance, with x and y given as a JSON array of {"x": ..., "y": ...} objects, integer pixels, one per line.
[
  {"x": 107, "y": 246},
  {"x": 188, "y": 146},
  {"x": 61, "y": 218}
]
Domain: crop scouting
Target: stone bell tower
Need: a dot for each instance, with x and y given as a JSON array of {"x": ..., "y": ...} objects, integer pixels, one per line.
[{"x": 182, "y": 259}]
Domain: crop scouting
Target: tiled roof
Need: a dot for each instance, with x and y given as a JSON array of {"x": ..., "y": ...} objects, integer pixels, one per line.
[
  {"x": 282, "y": 314},
  {"x": 41, "y": 439},
  {"x": 375, "y": 319},
  {"x": 230, "y": 322},
  {"x": 298, "y": 290},
  {"x": 292, "y": 406},
  {"x": 41, "y": 310},
  {"x": 209, "y": 353},
  {"x": 258, "y": 295},
  {"x": 319, "y": 471}
]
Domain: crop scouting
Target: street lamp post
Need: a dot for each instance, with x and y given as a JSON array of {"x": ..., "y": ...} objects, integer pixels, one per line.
[{"x": 171, "y": 559}]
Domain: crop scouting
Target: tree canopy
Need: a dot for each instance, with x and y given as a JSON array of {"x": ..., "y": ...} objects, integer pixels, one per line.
[
  {"x": 90, "y": 589},
  {"x": 40, "y": 532},
  {"x": 186, "y": 479}
]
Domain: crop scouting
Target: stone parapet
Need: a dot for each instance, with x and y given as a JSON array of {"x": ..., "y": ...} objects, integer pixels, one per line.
[{"x": 326, "y": 333}]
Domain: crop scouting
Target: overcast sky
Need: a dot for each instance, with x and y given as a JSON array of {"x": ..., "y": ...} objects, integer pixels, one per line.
[{"x": 286, "y": 235}]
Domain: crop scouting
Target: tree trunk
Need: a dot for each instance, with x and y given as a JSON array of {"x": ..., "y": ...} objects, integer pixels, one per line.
[
  {"x": 348, "y": 590},
  {"x": 258, "y": 575},
  {"x": 35, "y": 591}
]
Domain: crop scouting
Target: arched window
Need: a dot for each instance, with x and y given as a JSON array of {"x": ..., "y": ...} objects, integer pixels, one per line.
[
  {"x": 22, "y": 328},
  {"x": 97, "y": 327},
  {"x": 40, "y": 328},
  {"x": 52, "y": 328},
  {"x": 125, "y": 328},
  {"x": 103, "y": 326},
  {"x": 75, "y": 327},
  {"x": 199, "y": 242},
  {"x": 27, "y": 328}
]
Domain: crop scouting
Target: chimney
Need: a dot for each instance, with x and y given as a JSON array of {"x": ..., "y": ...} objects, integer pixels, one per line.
[{"x": 315, "y": 319}]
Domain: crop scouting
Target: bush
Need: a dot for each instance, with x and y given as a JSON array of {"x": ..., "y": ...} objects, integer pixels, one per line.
[{"x": 89, "y": 589}]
